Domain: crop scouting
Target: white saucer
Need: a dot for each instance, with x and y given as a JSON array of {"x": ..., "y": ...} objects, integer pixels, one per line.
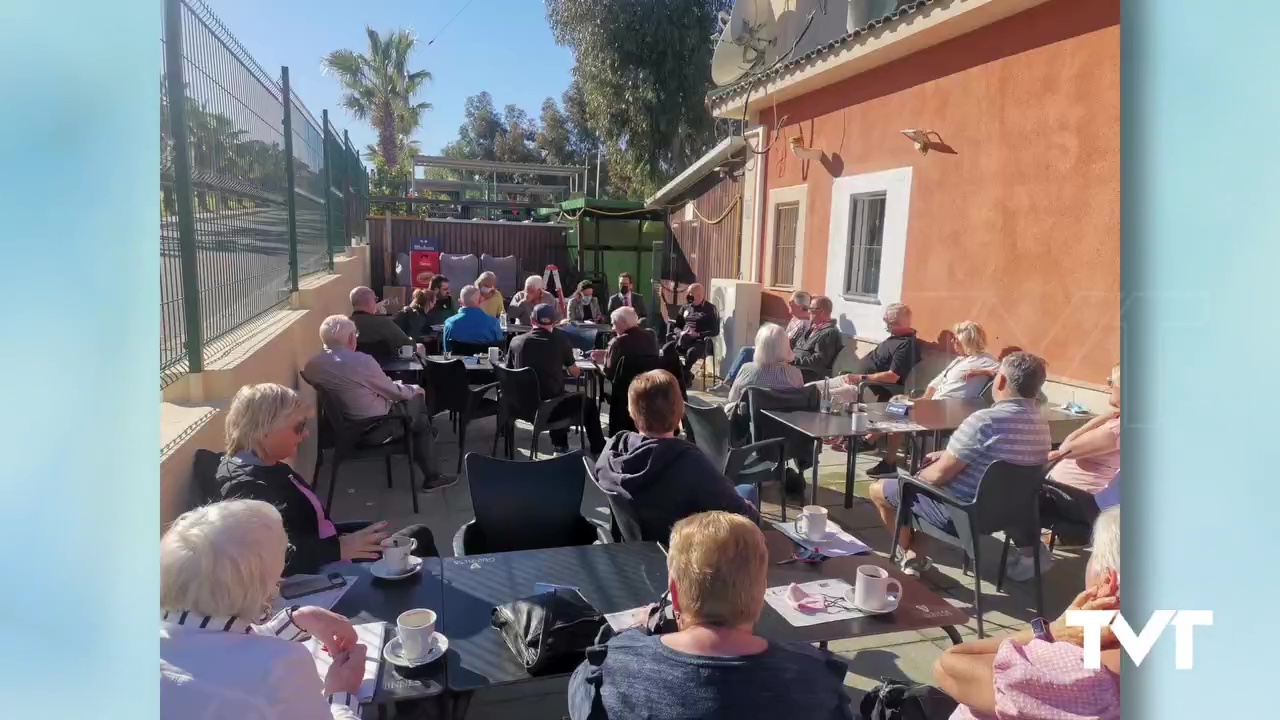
[
  {"x": 897, "y": 600},
  {"x": 391, "y": 652},
  {"x": 379, "y": 569}
]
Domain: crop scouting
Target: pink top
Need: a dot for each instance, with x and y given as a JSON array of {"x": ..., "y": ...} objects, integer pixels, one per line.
[
  {"x": 327, "y": 529},
  {"x": 1091, "y": 474},
  {"x": 1047, "y": 681}
]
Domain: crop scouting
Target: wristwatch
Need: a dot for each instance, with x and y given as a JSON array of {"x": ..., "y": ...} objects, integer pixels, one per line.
[{"x": 1040, "y": 629}]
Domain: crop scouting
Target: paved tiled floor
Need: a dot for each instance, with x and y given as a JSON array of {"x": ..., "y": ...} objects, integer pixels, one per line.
[{"x": 363, "y": 494}]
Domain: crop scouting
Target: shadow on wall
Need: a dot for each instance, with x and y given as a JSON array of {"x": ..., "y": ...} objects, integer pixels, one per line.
[{"x": 846, "y": 325}]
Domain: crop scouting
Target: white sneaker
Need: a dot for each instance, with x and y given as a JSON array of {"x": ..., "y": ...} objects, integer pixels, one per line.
[
  {"x": 916, "y": 565},
  {"x": 1021, "y": 568}
]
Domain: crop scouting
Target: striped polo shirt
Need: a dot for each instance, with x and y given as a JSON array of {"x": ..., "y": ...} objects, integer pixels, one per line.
[{"x": 1010, "y": 430}]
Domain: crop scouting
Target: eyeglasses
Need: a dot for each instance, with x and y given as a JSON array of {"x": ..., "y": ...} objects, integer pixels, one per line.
[{"x": 803, "y": 555}]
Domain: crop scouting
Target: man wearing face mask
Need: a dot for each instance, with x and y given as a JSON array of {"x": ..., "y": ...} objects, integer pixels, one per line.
[
  {"x": 626, "y": 298},
  {"x": 696, "y": 321}
]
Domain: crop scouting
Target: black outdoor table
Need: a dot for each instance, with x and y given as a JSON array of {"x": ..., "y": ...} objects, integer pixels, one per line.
[
  {"x": 371, "y": 599},
  {"x": 919, "y": 608},
  {"x": 934, "y": 416},
  {"x": 480, "y": 364},
  {"x": 612, "y": 577},
  {"x": 401, "y": 365}
]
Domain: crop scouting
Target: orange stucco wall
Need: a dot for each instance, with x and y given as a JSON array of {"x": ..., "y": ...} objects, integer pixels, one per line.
[{"x": 1019, "y": 227}]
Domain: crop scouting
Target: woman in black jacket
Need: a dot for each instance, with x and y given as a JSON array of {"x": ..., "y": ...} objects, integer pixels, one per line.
[
  {"x": 265, "y": 425},
  {"x": 415, "y": 319}
]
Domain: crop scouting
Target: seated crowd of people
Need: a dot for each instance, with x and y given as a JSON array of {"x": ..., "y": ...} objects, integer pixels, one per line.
[{"x": 221, "y": 563}]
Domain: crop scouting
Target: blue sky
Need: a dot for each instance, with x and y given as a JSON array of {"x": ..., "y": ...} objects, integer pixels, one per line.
[{"x": 502, "y": 46}]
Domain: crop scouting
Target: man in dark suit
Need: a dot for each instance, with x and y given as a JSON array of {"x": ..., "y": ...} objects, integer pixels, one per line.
[
  {"x": 548, "y": 352},
  {"x": 625, "y": 297},
  {"x": 696, "y": 321}
]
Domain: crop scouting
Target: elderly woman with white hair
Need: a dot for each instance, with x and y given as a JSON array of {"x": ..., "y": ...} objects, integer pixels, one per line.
[
  {"x": 771, "y": 367},
  {"x": 264, "y": 427},
  {"x": 222, "y": 654},
  {"x": 630, "y": 340},
  {"x": 490, "y": 295},
  {"x": 1023, "y": 676}
]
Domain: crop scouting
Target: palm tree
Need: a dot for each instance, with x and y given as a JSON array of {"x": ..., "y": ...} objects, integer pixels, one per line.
[{"x": 379, "y": 87}]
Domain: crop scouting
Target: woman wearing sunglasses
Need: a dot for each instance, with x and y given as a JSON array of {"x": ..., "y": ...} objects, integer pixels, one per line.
[{"x": 265, "y": 425}]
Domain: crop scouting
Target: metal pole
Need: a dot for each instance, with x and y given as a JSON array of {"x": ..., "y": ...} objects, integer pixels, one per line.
[
  {"x": 291, "y": 202},
  {"x": 177, "y": 91},
  {"x": 328, "y": 189},
  {"x": 597, "y": 171},
  {"x": 349, "y": 221}
]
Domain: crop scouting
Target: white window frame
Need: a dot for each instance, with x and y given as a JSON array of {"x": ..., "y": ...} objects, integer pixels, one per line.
[
  {"x": 867, "y": 313},
  {"x": 798, "y": 195}
]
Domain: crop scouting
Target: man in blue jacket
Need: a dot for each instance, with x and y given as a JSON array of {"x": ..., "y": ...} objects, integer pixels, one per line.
[{"x": 471, "y": 324}]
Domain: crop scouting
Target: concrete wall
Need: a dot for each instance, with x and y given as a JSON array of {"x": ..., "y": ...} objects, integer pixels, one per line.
[
  {"x": 1014, "y": 218},
  {"x": 192, "y": 410}
]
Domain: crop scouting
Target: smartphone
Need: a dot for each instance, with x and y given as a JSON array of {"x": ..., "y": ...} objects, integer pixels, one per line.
[{"x": 310, "y": 585}]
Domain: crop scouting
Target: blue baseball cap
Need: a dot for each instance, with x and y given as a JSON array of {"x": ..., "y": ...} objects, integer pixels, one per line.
[{"x": 544, "y": 314}]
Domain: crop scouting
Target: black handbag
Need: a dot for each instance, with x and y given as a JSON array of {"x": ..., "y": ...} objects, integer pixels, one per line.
[
  {"x": 896, "y": 700},
  {"x": 549, "y": 633}
]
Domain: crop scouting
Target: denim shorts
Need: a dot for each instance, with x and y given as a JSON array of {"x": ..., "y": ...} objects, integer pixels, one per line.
[{"x": 924, "y": 508}]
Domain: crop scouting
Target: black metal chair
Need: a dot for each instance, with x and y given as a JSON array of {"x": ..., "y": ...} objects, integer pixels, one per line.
[
  {"x": 628, "y": 368},
  {"x": 449, "y": 392},
  {"x": 519, "y": 398},
  {"x": 1007, "y": 501},
  {"x": 467, "y": 349},
  {"x": 753, "y": 463},
  {"x": 380, "y": 350},
  {"x": 346, "y": 437},
  {"x": 625, "y": 524},
  {"x": 525, "y": 506}
]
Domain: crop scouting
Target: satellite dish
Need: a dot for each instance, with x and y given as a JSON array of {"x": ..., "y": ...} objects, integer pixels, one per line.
[{"x": 747, "y": 41}]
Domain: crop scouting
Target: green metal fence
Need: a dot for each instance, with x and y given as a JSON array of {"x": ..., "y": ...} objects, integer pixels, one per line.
[{"x": 255, "y": 192}]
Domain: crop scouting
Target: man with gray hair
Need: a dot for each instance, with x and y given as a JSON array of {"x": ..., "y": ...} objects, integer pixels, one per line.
[
  {"x": 363, "y": 389},
  {"x": 888, "y": 364},
  {"x": 797, "y": 325},
  {"x": 1012, "y": 430},
  {"x": 522, "y": 303},
  {"x": 378, "y": 332},
  {"x": 472, "y": 324},
  {"x": 630, "y": 340}
]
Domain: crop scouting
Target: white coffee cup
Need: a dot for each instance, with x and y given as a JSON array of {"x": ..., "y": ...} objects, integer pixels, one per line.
[
  {"x": 495, "y": 356},
  {"x": 812, "y": 522},
  {"x": 415, "y": 629},
  {"x": 406, "y": 352},
  {"x": 860, "y": 421},
  {"x": 871, "y": 589},
  {"x": 395, "y": 552}
]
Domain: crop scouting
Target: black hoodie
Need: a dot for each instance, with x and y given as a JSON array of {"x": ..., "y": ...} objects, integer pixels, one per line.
[{"x": 666, "y": 479}]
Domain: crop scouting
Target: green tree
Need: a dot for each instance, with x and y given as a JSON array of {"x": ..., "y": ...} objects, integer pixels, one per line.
[
  {"x": 379, "y": 87},
  {"x": 644, "y": 69},
  {"x": 478, "y": 134}
]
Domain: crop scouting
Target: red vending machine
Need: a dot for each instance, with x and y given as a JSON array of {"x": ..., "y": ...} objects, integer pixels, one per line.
[{"x": 424, "y": 259}]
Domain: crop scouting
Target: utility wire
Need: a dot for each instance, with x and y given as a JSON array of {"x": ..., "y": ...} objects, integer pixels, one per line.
[{"x": 446, "y": 25}]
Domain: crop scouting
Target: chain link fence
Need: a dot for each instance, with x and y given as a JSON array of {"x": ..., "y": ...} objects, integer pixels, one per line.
[{"x": 255, "y": 192}]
